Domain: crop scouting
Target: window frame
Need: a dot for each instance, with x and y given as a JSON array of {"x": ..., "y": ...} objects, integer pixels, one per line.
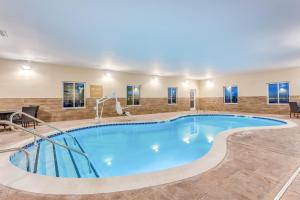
[
  {"x": 132, "y": 85},
  {"x": 176, "y": 89},
  {"x": 237, "y": 98},
  {"x": 74, "y": 95},
  {"x": 278, "y": 100}
]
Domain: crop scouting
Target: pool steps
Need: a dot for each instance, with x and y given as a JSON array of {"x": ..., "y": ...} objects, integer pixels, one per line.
[
  {"x": 92, "y": 166},
  {"x": 49, "y": 160},
  {"x": 52, "y": 160},
  {"x": 73, "y": 160}
]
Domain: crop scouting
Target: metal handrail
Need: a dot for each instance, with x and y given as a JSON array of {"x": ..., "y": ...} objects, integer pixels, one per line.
[
  {"x": 49, "y": 140},
  {"x": 42, "y": 122},
  {"x": 19, "y": 149}
]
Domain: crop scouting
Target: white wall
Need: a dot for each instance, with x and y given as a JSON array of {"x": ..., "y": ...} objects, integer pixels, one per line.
[
  {"x": 251, "y": 84},
  {"x": 45, "y": 81}
]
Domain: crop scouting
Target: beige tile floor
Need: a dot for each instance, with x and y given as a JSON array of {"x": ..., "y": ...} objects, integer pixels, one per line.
[{"x": 257, "y": 165}]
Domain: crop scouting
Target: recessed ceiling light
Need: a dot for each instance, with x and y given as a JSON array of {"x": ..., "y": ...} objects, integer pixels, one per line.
[{"x": 3, "y": 33}]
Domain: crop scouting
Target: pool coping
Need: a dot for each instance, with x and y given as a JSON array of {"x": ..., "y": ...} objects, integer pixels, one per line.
[{"x": 19, "y": 179}]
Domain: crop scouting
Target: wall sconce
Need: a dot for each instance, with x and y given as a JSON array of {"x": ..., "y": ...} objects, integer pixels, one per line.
[
  {"x": 185, "y": 83},
  {"x": 209, "y": 83},
  {"x": 26, "y": 67},
  {"x": 26, "y": 72},
  {"x": 154, "y": 80},
  {"x": 107, "y": 76}
]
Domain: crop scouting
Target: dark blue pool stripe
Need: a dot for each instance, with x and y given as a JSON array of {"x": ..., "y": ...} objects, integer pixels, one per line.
[
  {"x": 55, "y": 161},
  {"x": 73, "y": 160},
  {"x": 275, "y": 120},
  {"x": 92, "y": 166},
  {"x": 36, "y": 159}
]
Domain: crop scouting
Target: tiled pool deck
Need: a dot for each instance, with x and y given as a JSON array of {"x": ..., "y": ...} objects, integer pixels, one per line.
[{"x": 257, "y": 165}]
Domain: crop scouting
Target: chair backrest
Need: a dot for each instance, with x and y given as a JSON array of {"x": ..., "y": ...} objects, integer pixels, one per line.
[
  {"x": 293, "y": 106},
  {"x": 36, "y": 109},
  {"x": 30, "y": 111}
]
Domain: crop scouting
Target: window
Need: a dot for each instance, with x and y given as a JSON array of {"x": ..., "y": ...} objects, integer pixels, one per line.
[
  {"x": 172, "y": 94},
  {"x": 278, "y": 93},
  {"x": 231, "y": 94},
  {"x": 133, "y": 95},
  {"x": 73, "y": 96}
]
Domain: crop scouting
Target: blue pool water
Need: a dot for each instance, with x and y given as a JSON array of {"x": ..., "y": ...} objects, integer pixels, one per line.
[{"x": 120, "y": 150}]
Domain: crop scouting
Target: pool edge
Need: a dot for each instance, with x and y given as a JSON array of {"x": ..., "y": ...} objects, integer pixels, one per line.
[{"x": 23, "y": 180}]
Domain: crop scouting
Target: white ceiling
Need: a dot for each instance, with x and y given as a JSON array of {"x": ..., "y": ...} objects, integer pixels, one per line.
[{"x": 196, "y": 38}]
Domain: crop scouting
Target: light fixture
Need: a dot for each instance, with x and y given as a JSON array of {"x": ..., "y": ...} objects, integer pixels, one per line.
[
  {"x": 108, "y": 75},
  {"x": 26, "y": 67},
  {"x": 154, "y": 80},
  {"x": 209, "y": 83},
  {"x": 185, "y": 83}
]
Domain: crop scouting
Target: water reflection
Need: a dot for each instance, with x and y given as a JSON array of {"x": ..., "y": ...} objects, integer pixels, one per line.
[
  {"x": 155, "y": 147},
  {"x": 210, "y": 139},
  {"x": 108, "y": 161}
]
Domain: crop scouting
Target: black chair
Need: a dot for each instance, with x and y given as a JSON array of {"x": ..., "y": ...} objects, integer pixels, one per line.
[
  {"x": 36, "y": 109},
  {"x": 24, "y": 120},
  {"x": 294, "y": 108}
]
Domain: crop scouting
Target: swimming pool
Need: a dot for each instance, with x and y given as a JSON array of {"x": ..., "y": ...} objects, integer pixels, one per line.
[{"x": 133, "y": 148}]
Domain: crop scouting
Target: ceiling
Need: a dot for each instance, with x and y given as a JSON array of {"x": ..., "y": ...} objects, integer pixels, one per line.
[{"x": 194, "y": 38}]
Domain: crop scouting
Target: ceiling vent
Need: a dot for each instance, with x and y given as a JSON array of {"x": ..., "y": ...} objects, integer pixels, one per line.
[{"x": 3, "y": 33}]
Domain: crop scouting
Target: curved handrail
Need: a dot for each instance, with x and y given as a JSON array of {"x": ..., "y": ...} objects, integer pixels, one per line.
[
  {"x": 19, "y": 149},
  {"x": 49, "y": 140},
  {"x": 40, "y": 121}
]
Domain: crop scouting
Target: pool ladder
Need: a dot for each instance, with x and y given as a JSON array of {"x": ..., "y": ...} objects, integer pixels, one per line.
[{"x": 35, "y": 135}]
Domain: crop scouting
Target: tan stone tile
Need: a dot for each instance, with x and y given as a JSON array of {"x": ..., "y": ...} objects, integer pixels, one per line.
[
  {"x": 184, "y": 190},
  {"x": 148, "y": 194},
  {"x": 218, "y": 193},
  {"x": 291, "y": 196},
  {"x": 249, "y": 184},
  {"x": 110, "y": 196}
]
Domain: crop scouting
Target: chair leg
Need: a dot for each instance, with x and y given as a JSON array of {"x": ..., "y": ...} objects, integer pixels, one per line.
[{"x": 290, "y": 114}]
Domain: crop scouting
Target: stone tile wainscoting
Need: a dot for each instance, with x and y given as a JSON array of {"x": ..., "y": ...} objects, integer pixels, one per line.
[
  {"x": 256, "y": 104},
  {"x": 51, "y": 108}
]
